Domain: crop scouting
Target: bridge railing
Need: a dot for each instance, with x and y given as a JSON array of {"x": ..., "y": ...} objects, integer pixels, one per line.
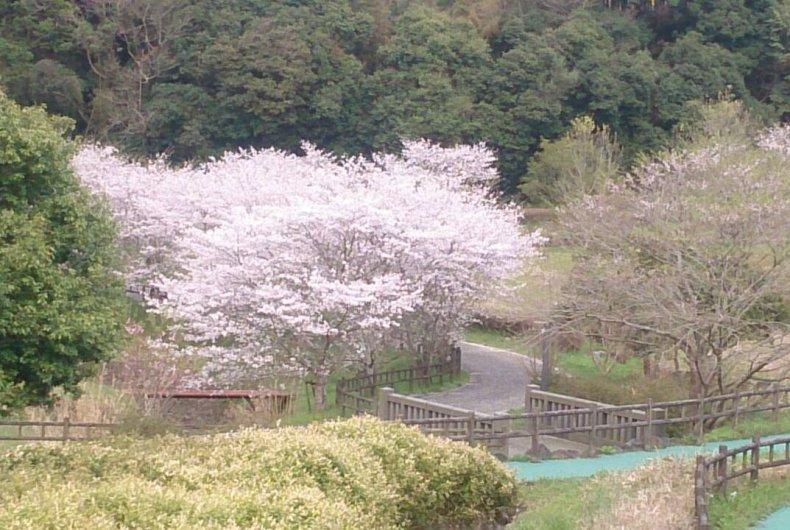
[
  {"x": 589, "y": 422},
  {"x": 356, "y": 394},
  {"x": 52, "y": 431},
  {"x": 444, "y": 420}
]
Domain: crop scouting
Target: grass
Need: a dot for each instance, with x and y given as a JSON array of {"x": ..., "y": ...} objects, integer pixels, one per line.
[
  {"x": 556, "y": 504},
  {"x": 754, "y": 424},
  {"x": 621, "y": 384},
  {"x": 636, "y": 499},
  {"x": 659, "y": 492},
  {"x": 750, "y": 502},
  {"x": 498, "y": 339},
  {"x": 304, "y": 411}
]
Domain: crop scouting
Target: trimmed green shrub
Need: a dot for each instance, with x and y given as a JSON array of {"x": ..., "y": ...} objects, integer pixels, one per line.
[
  {"x": 61, "y": 299},
  {"x": 357, "y": 473}
]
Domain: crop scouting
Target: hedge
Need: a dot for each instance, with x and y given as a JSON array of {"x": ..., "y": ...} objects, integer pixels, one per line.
[{"x": 356, "y": 473}]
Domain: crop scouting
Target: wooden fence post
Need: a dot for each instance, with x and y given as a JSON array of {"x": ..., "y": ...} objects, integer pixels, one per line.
[
  {"x": 647, "y": 431},
  {"x": 775, "y": 396},
  {"x": 382, "y": 402},
  {"x": 593, "y": 428},
  {"x": 528, "y": 398},
  {"x": 737, "y": 401},
  {"x": 66, "y": 428},
  {"x": 535, "y": 434},
  {"x": 755, "y": 458},
  {"x": 470, "y": 428},
  {"x": 721, "y": 470},
  {"x": 545, "y": 366},
  {"x": 700, "y": 495},
  {"x": 701, "y": 424}
]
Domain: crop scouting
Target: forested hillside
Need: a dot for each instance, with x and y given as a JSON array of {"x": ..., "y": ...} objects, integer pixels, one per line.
[{"x": 192, "y": 78}]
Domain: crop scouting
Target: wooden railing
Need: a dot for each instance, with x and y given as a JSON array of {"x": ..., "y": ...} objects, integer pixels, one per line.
[
  {"x": 587, "y": 421},
  {"x": 607, "y": 424},
  {"x": 356, "y": 394},
  {"x": 713, "y": 474},
  {"x": 443, "y": 420},
  {"x": 53, "y": 431}
]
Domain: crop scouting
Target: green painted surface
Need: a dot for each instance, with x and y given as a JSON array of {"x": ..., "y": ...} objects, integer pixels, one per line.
[
  {"x": 779, "y": 520},
  {"x": 585, "y": 467}
]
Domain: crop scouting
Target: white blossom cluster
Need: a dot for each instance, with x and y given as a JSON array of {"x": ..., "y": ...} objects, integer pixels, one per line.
[{"x": 313, "y": 260}]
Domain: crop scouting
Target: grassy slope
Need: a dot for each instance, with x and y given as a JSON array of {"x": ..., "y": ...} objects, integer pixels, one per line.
[
  {"x": 304, "y": 408},
  {"x": 498, "y": 339},
  {"x": 750, "y": 502},
  {"x": 762, "y": 424},
  {"x": 659, "y": 492},
  {"x": 553, "y": 504},
  {"x": 621, "y": 384},
  {"x": 581, "y": 377}
]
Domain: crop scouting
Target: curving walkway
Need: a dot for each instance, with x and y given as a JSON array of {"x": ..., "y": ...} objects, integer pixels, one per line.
[
  {"x": 779, "y": 520},
  {"x": 497, "y": 380},
  {"x": 587, "y": 467}
]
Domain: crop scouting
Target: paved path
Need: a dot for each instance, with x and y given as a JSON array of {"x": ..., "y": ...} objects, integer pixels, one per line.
[
  {"x": 587, "y": 467},
  {"x": 497, "y": 380},
  {"x": 779, "y": 520}
]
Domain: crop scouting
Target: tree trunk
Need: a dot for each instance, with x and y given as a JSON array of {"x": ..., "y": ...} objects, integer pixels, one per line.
[
  {"x": 319, "y": 390},
  {"x": 647, "y": 366},
  {"x": 546, "y": 365},
  {"x": 695, "y": 390}
]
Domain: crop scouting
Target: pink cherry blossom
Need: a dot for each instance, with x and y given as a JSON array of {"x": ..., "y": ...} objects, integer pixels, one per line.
[{"x": 312, "y": 261}]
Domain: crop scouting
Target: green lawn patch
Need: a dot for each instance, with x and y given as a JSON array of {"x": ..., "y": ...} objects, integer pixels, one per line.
[
  {"x": 498, "y": 339},
  {"x": 754, "y": 424},
  {"x": 618, "y": 384},
  {"x": 743, "y": 507},
  {"x": 558, "y": 504}
]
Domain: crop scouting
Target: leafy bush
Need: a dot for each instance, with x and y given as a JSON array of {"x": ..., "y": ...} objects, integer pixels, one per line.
[
  {"x": 357, "y": 473},
  {"x": 60, "y": 297}
]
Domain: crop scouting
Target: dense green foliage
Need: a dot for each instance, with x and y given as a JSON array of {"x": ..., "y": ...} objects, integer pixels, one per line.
[
  {"x": 194, "y": 78},
  {"x": 59, "y": 297},
  {"x": 579, "y": 163},
  {"x": 358, "y": 473}
]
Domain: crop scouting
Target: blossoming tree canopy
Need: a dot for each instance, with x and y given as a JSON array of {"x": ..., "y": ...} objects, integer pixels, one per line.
[
  {"x": 312, "y": 261},
  {"x": 688, "y": 259}
]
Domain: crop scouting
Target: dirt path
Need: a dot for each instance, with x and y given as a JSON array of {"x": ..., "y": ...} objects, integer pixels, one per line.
[{"x": 497, "y": 380}]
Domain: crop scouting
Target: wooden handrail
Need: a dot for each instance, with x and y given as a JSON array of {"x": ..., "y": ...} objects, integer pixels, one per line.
[
  {"x": 349, "y": 391},
  {"x": 712, "y": 474},
  {"x": 66, "y": 430},
  {"x": 599, "y": 422}
]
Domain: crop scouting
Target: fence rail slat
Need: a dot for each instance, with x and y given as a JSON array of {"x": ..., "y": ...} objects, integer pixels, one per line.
[{"x": 717, "y": 468}]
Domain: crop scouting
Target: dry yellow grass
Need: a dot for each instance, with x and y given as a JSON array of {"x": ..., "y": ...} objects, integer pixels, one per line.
[{"x": 658, "y": 496}]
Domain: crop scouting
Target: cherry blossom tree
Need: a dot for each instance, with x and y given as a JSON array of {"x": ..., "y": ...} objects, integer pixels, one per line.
[
  {"x": 312, "y": 262},
  {"x": 688, "y": 259}
]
